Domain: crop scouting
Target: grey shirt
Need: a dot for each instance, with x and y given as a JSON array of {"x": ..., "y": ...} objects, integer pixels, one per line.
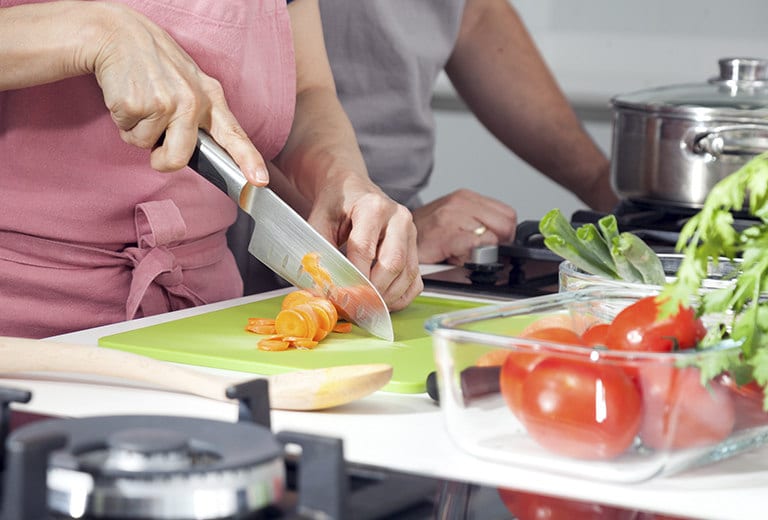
[{"x": 386, "y": 56}]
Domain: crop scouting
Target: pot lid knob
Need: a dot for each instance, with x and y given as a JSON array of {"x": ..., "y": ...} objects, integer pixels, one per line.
[{"x": 749, "y": 70}]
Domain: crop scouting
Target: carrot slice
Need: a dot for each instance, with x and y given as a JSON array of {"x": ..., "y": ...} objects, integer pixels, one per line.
[
  {"x": 329, "y": 310},
  {"x": 314, "y": 314},
  {"x": 261, "y": 329},
  {"x": 273, "y": 345},
  {"x": 343, "y": 327},
  {"x": 291, "y": 339},
  {"x": 304, "y": 318},
  {"x": 322, "y": 318},
  {"x": 304, "y": 343},
  {"x": 295, "y": 298},
  {"x": 297, "y": 321},
  {"x": 311, "y": 264}
]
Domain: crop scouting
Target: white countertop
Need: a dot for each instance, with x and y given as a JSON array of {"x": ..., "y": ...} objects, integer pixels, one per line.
[{"x": 406, "y": 433}]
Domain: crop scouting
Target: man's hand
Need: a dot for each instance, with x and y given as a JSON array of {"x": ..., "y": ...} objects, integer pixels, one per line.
[{"x": 450, "y": 227}]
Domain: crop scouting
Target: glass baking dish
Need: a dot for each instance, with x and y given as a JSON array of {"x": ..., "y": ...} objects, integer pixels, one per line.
[{"x": 475, "y": 348}]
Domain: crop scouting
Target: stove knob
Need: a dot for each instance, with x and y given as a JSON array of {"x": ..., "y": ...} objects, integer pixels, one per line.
[{"x": 484, "y": 265}]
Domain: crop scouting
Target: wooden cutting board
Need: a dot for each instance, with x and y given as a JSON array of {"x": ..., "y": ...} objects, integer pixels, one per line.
[{"x": 218, "y": 339}]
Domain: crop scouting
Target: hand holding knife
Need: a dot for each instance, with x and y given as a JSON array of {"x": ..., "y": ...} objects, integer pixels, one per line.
[{"x": 282, "y": 238}]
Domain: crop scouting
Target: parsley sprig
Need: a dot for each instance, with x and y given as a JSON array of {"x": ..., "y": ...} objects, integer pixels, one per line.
[{"x": 711, "y": 235}]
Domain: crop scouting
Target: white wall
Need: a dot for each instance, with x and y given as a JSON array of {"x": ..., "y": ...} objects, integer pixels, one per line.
[{"x": 597, "y": 49}]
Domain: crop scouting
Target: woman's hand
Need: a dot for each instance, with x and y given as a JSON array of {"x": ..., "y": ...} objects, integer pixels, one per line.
[
  {"x": 379, "y": 236},
  {"x": 151, "y": 86},
  {"x": 452, "y": 226}
]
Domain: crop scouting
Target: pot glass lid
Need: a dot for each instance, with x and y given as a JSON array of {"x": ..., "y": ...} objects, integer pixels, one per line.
[{"x": 740, "y": 90}]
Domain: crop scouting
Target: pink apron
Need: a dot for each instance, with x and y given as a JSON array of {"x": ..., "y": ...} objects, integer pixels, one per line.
[{"x": 89, "y": 233}]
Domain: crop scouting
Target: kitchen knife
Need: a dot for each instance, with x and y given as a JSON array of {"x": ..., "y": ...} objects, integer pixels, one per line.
[{"x": 281, "y": 239}]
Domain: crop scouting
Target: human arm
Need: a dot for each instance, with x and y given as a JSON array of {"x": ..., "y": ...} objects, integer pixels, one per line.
[
  {"x": 322, "y": 159},
  {"x": 151, "y": 87},
  {"x": 502, "y": 77}
]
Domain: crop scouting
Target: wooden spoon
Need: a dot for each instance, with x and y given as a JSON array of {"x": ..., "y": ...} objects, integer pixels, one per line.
[{"x": 301, "y": 390}]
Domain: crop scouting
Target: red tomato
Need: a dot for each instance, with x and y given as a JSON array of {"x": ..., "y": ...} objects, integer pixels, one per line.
[
  {"x": 530, "y": 506},
  {"x": 556, "y": 335},
  {"x": 580, "y": 408},
  {"x": 519, "y": 363},
  {"x": 595, "y": 336},
  {"x": 680, "y": 412},
  {"x": 638, "y": 328},
  {"x": 748, "y": 400}
]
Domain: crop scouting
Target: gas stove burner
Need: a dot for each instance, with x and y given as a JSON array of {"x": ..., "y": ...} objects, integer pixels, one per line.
[{"x": 158, "y": 467}]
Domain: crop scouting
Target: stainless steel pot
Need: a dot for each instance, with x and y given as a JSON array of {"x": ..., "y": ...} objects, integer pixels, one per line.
[{"x": 672, "y": 144}]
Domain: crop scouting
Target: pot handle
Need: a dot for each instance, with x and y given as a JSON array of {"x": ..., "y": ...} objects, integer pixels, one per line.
[{"x": 732, "y": 140}]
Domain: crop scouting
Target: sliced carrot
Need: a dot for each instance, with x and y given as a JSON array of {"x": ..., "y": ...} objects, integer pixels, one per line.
[
  {"x": 297, "y": 321},
  {"x": 261, "y": 329},
  {"x": 311, "y": 264},
  {"x": 304, "y": 318},
  {"x": 318, "y": 316},
  {"x": 291, "y": 339},
  {"x": 295, "y": 298},
  {"x": 273, "y": 345},
  {"x": 305, "y": 343},
  {"x": 325, "y": 323},
  {"x": 343, "y": 327},
  {"x": 328, "y": 308}
]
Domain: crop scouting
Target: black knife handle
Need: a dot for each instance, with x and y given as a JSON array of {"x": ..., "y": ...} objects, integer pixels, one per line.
[
  {"x": 203, "y": 165},
  {"x": 475, "y": 382},
  {"x": 215, "y": 165}
]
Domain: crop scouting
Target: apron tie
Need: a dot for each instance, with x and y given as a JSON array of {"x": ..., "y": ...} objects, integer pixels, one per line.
[
  {"x": 157, "y": 285},
  {"x": 156, "y": 264}
]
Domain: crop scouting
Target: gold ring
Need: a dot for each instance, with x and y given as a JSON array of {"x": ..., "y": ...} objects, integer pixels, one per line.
[{"x": 479, "y": 230}]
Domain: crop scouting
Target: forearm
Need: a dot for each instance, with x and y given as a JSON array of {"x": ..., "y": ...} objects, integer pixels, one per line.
[
  {"x": 46, "y": 42},
  {"x": 502, "y": 77},
  {"x": 322, "y": 148}
]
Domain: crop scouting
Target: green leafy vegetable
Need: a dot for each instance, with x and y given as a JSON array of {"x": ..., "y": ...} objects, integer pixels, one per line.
[
  {"x": 642, "y": 258},
  {"x": 586, "y": 254},
  {"x": 711, "y": 235},
  {"x": 601, "y": 249}
]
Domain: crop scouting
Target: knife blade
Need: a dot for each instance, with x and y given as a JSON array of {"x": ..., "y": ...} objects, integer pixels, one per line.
[{"x": 281, "y": 239}]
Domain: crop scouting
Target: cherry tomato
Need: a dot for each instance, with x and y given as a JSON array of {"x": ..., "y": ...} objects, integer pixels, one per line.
[
  {"x": 531, "y": 506},
  {"x": 519, "y": 363},
  {"x": 595, "y": 335},
  {"x": 638, "y": 328},
  {"x": 680, "y": 412},
  {"x": 580, "y": 408}
]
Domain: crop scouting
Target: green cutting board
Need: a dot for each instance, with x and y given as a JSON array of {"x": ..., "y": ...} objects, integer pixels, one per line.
[{"x": 218, "y": 339}]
